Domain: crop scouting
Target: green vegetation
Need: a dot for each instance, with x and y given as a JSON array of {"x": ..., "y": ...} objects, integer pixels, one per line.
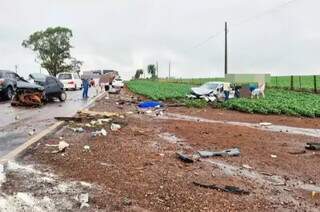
[
  {"x": 159, "y": 90},
  {"x": 53, "y": 49},
  {"x": 279, "y": 102}
]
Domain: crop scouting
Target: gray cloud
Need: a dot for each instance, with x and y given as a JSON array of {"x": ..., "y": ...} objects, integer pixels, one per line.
[{"x": 127, "y": 35}]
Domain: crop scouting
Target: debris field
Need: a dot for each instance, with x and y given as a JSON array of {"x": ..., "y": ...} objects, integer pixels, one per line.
[{"x": 150, "y": 160}]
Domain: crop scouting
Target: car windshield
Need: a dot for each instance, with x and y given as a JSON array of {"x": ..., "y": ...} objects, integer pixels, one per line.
[
  {"x": 65, "y": 76},
  {"x": 38, "y": 77},
  {"x": 210, "y": 85}
]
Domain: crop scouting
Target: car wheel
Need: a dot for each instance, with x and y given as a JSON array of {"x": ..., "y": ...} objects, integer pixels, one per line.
[
  {"x": 9, "y": 93},
  {"x": 63, "y": 96}
]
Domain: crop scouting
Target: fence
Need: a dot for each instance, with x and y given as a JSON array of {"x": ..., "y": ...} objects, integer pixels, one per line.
[{"x": 298, "y": 83}]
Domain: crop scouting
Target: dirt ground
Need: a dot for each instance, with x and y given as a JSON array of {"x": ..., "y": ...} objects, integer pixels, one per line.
[{"x": 136, "y": 168}]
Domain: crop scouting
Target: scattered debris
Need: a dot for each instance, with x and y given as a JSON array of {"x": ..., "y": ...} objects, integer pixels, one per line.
[
  {"x": 31, "y": 133},
  {"x": 84, "y": 199},
  {"x": 87, "y": 125},
  {"x": 273, "y": 156},
  {"x": 246, "y": 166},
  {"x": 77, "y": 129},
  {"x": 265, "y": 124},
  {"x": 17, "y": 118},
  {"x": 88, "y": 113},
  {"x": 61, "y": 147},
  {"x": 299, "y": 152},
  {"x": 101, "y": 121},
  {"x": 231, "y": 189},
  {"x": 101, "y": 132},
  {"x": 313, "y": 146},
  {"x": 115, "y": 127},
  {"x": 86, "y": 147},
  {"x": 227, "y": 152},
  {"x": 184, "y": 158}
]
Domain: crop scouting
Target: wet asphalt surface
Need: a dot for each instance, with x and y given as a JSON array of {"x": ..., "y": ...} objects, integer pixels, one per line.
[{"x": 17, "y": 122}]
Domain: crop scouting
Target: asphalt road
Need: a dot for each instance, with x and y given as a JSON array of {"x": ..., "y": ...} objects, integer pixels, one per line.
[{"x": 17, "y": 122}]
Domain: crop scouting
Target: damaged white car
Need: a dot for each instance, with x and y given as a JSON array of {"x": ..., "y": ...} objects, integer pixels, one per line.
[{"x": 212, "y": 91}]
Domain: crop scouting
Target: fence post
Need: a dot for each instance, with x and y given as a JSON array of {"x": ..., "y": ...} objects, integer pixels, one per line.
[
  {"x": 300, "y": 82},
  {"x": 315, "y": 83},
  {"x": 291, "y": 83}
]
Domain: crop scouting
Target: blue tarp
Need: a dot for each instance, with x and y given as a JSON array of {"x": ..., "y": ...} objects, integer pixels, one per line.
[{"x": 149, "y": 104}]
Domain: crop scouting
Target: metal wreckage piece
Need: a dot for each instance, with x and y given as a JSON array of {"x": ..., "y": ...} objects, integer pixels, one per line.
[{"x": 30, "y": 98}]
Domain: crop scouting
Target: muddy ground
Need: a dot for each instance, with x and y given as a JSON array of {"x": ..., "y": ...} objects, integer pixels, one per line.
[{"x": 136, "y": 168}]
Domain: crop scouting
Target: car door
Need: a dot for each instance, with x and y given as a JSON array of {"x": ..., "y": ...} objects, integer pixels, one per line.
[{"x": 51, "y": 87}]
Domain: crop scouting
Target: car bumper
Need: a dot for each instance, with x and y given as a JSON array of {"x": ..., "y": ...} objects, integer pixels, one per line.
[{"x": 69, "y": 86}]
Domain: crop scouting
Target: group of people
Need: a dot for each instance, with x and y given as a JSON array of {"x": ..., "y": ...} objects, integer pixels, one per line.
[{"x": 86, "y": 84}]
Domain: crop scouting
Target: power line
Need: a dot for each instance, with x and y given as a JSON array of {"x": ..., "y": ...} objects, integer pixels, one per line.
[{"x": 283, "y": 5}]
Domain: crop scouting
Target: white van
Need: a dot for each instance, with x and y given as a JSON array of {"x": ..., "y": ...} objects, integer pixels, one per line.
[{"x": 70, "y": 81}]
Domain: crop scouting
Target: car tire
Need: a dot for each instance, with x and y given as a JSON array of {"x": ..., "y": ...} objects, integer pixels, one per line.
[
  {"x": 9, "y": 93},
  {"x": 63, "y": 96}
]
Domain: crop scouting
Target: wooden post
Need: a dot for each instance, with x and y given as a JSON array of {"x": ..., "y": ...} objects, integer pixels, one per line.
[
  {"x": 300, "y": 82},
  {"x": 291, "y": 84}
]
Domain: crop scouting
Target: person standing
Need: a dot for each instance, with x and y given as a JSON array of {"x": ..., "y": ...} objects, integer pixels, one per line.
[{"x": 85, "y": 84}]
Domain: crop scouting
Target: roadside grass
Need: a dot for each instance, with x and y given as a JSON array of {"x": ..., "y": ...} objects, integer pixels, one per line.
[{"x": 277, "y": 101}]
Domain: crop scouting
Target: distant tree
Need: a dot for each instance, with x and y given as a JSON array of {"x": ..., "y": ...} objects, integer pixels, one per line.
[
  {"x": 76, "y": 65},
  {"x": 152, "y": 71},
  {"x": 138, "y": 74},
  {"x": 52, "y": 47}
]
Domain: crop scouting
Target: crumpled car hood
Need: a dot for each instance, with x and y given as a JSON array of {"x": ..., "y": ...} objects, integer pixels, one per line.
[
  {"x": 201, "y": 91},
  {"x": 27, "y": 85}
]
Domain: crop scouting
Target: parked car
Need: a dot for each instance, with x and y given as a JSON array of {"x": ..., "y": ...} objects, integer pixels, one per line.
[
  {"x": 70, "y": 80},
  {"x": 8, "y": 83},
  {"x": 211, "y": 91},
  {"x": 118, "y": 83}
]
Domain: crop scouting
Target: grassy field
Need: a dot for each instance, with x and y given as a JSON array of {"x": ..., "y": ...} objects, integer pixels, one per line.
[
  {"x": 303, "y": 82},
  {"x": 277, "y": 101}
]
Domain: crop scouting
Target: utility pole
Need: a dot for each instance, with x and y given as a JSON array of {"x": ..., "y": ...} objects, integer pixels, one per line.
[
  {"x": 226, "y": 50},
  {"x": 157, "y": 69},
  {"x": 169, "y": 69}
]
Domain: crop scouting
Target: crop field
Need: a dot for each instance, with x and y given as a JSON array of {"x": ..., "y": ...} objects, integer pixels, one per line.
[
  {"x": 159, "y": 90},
  {"x": 277, "y": 101}
]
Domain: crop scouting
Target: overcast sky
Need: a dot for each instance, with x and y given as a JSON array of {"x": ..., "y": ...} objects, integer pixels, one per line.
[{"x": 129, "y": 34}]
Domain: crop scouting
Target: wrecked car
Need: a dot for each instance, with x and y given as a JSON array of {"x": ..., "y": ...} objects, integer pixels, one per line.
[
  {"x": 211, "y": 91},
  {"x": 38, "y": 90}
]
